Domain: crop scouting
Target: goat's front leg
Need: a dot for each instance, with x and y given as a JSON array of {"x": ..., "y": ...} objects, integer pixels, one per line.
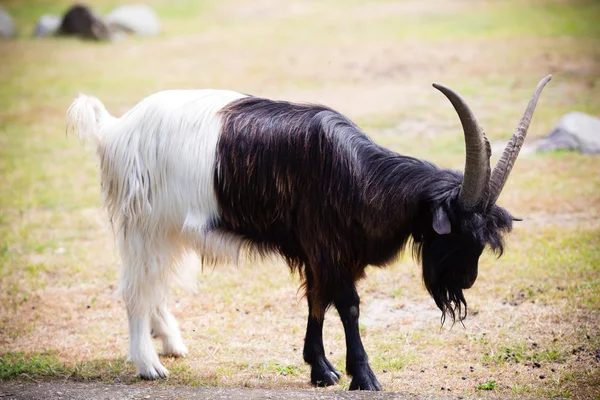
[
  {"x": 357, "y": 361},
  {"x": 323, "y": 373}
]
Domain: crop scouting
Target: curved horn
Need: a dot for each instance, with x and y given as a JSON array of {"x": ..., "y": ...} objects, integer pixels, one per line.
[
  {"x": 511, "y": 152},
  {"x": 475, "y": 187}
]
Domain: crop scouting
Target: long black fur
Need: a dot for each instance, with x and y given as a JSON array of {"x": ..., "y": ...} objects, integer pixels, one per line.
[{"x": 306, "y": 182}]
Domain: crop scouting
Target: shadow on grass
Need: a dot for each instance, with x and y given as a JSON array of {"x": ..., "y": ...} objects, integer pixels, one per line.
[{"x": 46, "y": 364}]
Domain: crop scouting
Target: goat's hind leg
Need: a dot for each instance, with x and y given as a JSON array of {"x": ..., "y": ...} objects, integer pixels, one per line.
[
  {"x": 164, "y": 326},
  {"x": 141, "y": 348},
  {"x": 143, "y": 288}
]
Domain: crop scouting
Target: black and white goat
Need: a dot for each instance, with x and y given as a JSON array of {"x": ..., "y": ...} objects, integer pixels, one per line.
[{"x": 214, "y": 172}]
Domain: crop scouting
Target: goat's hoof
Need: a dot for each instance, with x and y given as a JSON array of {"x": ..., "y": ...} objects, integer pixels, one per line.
[
  {"x": 152, "y": 372},
  {"x": 324, "y": 374},
  {"x": 324, "y": 378},
  {"x": 364, "y": 379},
  {"x": 177, "y": 350}
]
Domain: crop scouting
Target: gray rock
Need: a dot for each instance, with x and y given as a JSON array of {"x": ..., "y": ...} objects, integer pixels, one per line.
[
  {"x": 81, "y": 20},
  {"x": 138, "y": 19},
  {"x": 7, "y": 26},
  {"x": 574, "y": 131},
  {"x": 47, "y": 25}
]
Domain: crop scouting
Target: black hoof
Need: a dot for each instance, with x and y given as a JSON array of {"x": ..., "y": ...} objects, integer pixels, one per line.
[
  {"x": 324, "y": 374},
  {"x": 364, "y": 379}
]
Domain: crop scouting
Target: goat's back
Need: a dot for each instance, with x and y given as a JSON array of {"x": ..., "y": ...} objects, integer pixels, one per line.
[
  {"x": 289, "y": 174},
  {"x": 157, "y": 160}
]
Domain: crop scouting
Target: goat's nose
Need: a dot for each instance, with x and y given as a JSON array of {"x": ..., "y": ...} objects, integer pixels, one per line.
[{"x": 469, "y": 281}]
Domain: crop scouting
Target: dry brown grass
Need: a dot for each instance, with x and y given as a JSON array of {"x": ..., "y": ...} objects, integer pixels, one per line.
[{"x": 375, "y": 62}]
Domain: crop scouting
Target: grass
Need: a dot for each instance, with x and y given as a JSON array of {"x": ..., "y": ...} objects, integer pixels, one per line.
[
  {"x": 375, "y": 62},
  {"x": 521, "y": 390},
  {"x": 490, "y": 385},
  {"x": 548, "y": 19},
  {"x": 30, "y": 366},
  {"x": 519, "y": 353},
  {"x": 280, "y": 369},
  {"x": 47, "y": 364}
]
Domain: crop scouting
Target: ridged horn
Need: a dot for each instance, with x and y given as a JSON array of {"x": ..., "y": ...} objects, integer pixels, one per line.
[
  {"x": 475, "y": 186},
  {"x": 511, "y": 152}
]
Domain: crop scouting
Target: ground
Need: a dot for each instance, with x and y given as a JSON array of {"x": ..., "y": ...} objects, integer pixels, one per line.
[
  {"x": 98, "y": 390},
  {"x": 533, "y": 324}
]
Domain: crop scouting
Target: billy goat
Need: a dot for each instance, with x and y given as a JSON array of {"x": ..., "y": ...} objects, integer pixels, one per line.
[{"x": 214, "y": 172}]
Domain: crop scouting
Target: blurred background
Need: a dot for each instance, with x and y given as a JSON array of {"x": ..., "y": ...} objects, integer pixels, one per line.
[{"x": 533, "y": 329}]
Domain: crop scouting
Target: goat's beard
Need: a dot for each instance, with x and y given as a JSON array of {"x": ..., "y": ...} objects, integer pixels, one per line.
[
  {"x": 443, "y": 287},
  {"x": 450, "y": 265},
  {"x": 450, "y": 300}
]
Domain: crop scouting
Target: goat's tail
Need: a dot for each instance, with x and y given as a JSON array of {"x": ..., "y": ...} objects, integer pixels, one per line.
[{"x": 85, "y": 118}]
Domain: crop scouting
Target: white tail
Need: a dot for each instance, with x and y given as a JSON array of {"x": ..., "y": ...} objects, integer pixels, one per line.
[{"x": 85, "y": 118}]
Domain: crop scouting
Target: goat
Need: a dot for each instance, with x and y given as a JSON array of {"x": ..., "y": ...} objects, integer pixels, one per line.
[{"x": 216, "y": 172}]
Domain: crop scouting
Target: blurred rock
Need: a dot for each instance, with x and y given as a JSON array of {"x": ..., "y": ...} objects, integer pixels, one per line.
[
  {"x": 80, "y": 20},
  {"x": 137, "y": 19},
  {"x": 47, "y": 25},
  {"x": 7, "y": 26},
  {"x": 575, "y": 131}
]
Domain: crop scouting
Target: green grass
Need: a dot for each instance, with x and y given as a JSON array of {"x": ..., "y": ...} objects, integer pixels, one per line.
[
  {"x": 520, "y": 390},
  {"x": 523, "y": 353},
  {"x": 510, "y": 19},
  {"x": 505, "y": 19},
  {"x": 30, "y": 366},
  {"x": 389, "y": 362},
  {"x": 48, "y": 364},
  {"x": 283, "y": 369},
  {"x": 489, "y": 385}
]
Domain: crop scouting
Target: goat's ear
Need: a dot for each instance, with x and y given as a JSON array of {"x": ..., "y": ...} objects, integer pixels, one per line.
[{"x": 441, "y": 223}]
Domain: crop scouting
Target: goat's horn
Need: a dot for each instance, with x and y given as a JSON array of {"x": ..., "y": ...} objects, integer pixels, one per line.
[
  {"x": 475, "y": 186},
  {"x": 511, "y": 152}
]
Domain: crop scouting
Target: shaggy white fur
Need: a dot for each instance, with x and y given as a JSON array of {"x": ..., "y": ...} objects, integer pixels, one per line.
[{"x": 157, "y": 167}]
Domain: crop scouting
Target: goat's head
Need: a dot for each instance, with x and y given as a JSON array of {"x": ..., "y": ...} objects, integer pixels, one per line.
[{"x": 467, "y": 220}]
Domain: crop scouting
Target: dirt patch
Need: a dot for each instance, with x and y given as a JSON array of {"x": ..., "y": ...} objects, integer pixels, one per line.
[{"x": 389, "y": 312}]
